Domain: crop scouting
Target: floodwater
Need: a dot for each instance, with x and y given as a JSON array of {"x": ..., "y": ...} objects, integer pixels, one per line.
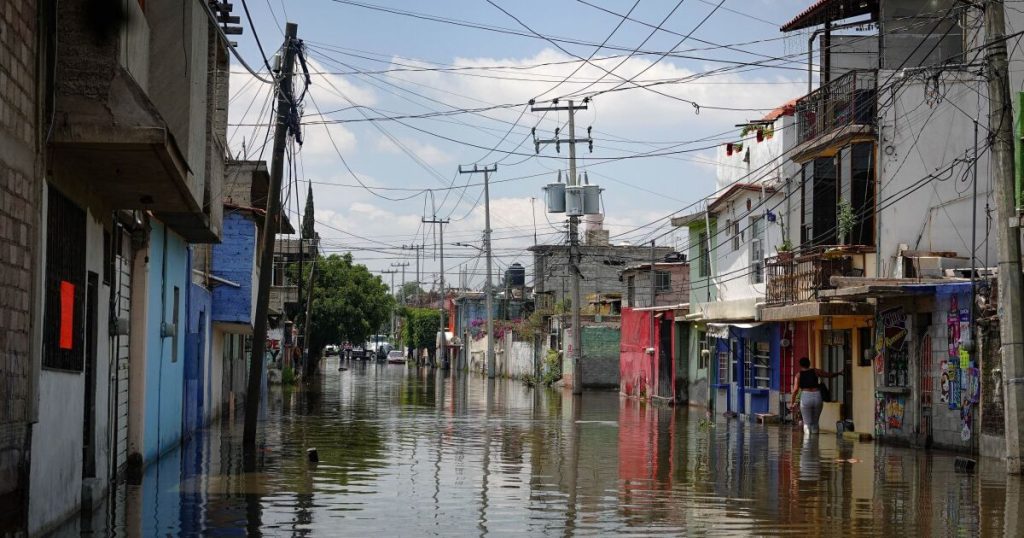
[{"x": 411, "y": 452}]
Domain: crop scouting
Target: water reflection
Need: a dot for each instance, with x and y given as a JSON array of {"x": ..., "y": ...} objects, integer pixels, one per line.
[{"x": 414, "y": 452}]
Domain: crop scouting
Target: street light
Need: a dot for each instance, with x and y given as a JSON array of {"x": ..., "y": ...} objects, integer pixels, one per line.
[{"x": 491, "y": 362}]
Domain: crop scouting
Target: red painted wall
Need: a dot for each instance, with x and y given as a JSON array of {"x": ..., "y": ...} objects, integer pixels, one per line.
[{"x": 638, "y": 371}]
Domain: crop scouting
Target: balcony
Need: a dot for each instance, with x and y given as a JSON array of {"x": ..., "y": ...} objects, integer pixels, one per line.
[
  {"x": 799, "y": 277},
  {"x": 845, "y": 106}
]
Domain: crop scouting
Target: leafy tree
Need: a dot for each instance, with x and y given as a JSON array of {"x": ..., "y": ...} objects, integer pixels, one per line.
[
  {"x": 420, "y": 328},
  {"x": 349, "y": 302},
  {"x": 409, "y": 291}
]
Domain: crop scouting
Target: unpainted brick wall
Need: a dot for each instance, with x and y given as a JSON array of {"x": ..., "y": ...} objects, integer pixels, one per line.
[{"x": 19, "y": 205}]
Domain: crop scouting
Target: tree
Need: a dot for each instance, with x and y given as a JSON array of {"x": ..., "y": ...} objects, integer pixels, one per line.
[
  {"x": 349, "y": 303},
  {"x": 420, "y": 328},
  {"x": 408, "y": 292},
  {"x": 307, "y": 216}
]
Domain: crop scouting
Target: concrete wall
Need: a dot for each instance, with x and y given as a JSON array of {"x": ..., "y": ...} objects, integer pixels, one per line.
[
  {"x": 56, "y": 484},
  {"x": 948, "y": 416},
  {"x": 731, "y": 266},
  {"x": 601, "y": 355},
  {"x": 916, "y": 140},
  {"x": 765, "y": 157},
  {"x": 234, "y": 259},
  {"x": 702, "y": 289},
  {"x": 21, "y": 190},
  {"x": 599, "y": 266},
  {"x": 520, "y": 358}
]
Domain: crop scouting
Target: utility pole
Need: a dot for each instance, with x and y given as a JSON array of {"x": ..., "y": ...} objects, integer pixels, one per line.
[
  {"x": 653, "y": 290},
  {"x": 488, "y": 284},
  {"x": 441, "y": 354},
  {"x": 307, "y": 367},
  {"x": 574, "y": 255},
  {"x": 403, "y": 266},
  {"x": 416, "y": 248},
  {"x": 392, "y": 273},
  {"x": 259, "y": 332},
  {"x": 1011, "y": 328}
]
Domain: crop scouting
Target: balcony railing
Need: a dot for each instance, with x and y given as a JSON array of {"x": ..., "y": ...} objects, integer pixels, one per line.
[
  {"x": 799, "y": 276},
  {"x": 847, "y": 100}
]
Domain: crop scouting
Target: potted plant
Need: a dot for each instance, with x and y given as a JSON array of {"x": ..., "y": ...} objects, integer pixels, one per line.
[
  {"x": 785, "y": 251},
  {"x": 845, "y": 220}
]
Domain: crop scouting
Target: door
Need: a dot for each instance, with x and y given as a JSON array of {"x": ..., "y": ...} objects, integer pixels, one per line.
[
  {"x": 89, "y": 409},
  {"x": 665, "y": 372},
  {"x": 192, "y": 399},
  {"x": 839, "y": 359}
]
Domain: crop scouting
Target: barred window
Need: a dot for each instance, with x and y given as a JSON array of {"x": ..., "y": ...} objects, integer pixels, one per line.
[{"x": 64, "y": 311}]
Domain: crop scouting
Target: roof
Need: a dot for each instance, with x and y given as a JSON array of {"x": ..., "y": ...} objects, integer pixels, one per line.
[
  {"x": 656, "y": 265},
  {"x": 823, "y": 11},
  {"x": 738, "y": 187},
  {"x": 788, "y": 109},
  {"x": 686, "y": 220}
]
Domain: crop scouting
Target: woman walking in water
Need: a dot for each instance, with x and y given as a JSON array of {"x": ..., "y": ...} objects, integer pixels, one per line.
[{"x": 808, "y": 393}]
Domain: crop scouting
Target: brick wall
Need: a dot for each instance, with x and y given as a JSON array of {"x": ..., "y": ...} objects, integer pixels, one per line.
[
  {"x": 19, "y": 206},
  {"x": 600, "y": 355}
]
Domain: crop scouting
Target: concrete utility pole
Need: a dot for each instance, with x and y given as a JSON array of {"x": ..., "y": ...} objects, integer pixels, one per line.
[
  {"x": 307, "y": 366},
  {"x": 416, "y": 248},
  {"x": 391, "y": 272},
  {"x": 403, "y": 266},
  {"x": 574, "y": 222},
  {"x": 441, "y": 353},
  {"x": 259, "y": 332},
  {"x": 653, "y": 291},
  {"x": 488, "y": 285},
  {"x": 1011, "y": 328}
]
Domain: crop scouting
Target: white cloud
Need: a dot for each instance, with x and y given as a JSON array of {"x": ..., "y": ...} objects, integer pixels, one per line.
[{"x": 427, "y": 153}]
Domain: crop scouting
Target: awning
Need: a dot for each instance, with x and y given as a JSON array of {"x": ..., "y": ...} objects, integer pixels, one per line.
[{"x": 824, "y": 11}]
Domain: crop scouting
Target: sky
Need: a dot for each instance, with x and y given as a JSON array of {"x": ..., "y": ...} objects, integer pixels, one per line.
[{"x": 457, "y": 94}]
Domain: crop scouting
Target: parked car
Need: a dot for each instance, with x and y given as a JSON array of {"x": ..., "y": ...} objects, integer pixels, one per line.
[
  {"x": 395, "y": 356},
  {"x": 331, "y": 349}
]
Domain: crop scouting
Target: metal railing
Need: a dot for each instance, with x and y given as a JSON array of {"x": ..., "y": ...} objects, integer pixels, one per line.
[
  {"x": 799, "y": 276},
  {"x": 847, "y": 100}
]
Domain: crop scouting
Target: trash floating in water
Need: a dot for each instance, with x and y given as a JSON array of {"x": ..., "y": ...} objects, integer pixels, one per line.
[{"x": 850, "y": 460}]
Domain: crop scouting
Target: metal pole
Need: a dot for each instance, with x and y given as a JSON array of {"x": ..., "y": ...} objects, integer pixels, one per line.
[
  {"x": 1011, "y": 328},
  {"x": 259, "y": 333},
  {"x": 442, "y": 355}
]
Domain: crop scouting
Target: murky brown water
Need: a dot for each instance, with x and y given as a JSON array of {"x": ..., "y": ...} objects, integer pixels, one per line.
[{"x": 411, "y": 453}]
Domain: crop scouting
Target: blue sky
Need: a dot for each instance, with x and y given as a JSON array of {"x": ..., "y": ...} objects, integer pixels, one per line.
[{"x": 354, "y": 52}]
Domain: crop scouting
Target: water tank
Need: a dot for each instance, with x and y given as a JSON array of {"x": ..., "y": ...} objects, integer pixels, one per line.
[
  {"x": 555, "y": 195},
  {"x": 591, "y": 199},
  {"x": 574, "y": 201},
  {"x": 516, "y": 275}
]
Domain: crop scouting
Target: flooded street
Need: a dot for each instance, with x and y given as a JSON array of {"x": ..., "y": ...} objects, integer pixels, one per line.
[{"x": 415, "y": 453}]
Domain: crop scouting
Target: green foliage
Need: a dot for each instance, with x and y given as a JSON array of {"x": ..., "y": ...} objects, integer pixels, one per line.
[
  {"x": 307, "y": 216},
  {"x": 287, "y": 376},
  {"x": 420, "y": 328},
  {"x": 845, "y": 220},
  {"x": 551, "y": 371},
  {"x": 349, "y": 303}
]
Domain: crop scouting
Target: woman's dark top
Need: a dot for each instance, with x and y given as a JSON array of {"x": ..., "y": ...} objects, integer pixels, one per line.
[{"x": 808, "y": 379}]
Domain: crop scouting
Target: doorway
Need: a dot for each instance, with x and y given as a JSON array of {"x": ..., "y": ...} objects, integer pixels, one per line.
[
  {"x": 665, "y": 372},
  {"x": 89, "y": 409},
  {"x": 839, "y": 359}
]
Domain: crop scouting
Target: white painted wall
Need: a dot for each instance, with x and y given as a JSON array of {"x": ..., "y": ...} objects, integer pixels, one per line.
[
  {"x": 55, "y": 480},
  {"x": 731, "y": 266},
  {"x": 520, "y": 361},
  {"x": 916, "y": 140},
  {"x": 765, "y": 157}
]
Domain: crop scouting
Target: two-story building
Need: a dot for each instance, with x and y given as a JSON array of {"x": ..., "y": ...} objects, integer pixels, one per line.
[{"x": 654, "y": 333}]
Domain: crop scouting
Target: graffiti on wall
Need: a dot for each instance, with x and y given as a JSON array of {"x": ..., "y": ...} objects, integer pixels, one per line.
[
  {"x": 893, "y": 326},
  {"x": 889, "y": 412}
]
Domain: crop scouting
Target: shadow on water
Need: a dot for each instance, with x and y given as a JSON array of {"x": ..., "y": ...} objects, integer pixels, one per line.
[{"x": 417, "y": 451}]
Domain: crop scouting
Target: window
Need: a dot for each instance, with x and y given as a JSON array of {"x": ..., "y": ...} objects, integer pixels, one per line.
[
  {"x": 862, "y": 194},
  {"x": 723, "y": 367},
  {"x": 759, "y": 363},
  {"x": 631, "y": 291},
  {"x": 703, "y": 351},
  {"x": 63, "y": 317},
  {"x": 704, "y": 267},
  {"x": 737, "y": 236},
  {"x": 757, "y": 250},
  {"x": 662, "y": 281}
]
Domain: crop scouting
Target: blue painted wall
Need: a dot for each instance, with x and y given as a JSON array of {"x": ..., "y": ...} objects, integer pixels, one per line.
[
  {"x": 233, "y": 260},
  {"x": 197, "y": 356},
  {"x": 168, "y": 268}
]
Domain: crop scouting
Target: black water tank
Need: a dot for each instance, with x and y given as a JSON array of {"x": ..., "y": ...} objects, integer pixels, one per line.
[{"x": 516, "y": 275}]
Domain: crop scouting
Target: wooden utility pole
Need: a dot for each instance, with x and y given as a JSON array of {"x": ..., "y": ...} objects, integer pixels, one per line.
[
  {"x": 1011, "y": 328},
  {"x": 259, "y": 331},
  {"x": 441, "y": 352},
  {"x": 574, "y": 222},
  {"x": 488, "y": 285}
]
